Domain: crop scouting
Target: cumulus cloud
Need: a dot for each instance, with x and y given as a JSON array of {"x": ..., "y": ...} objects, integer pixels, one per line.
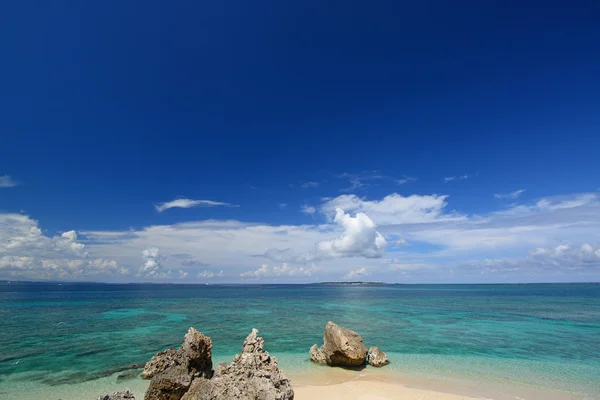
[
  {"x": 206, "y": 274},
  {"x": 512, "y": 195},
  {"x": 437, "y": 237},
  {"x": 6, "y": 181},
  {"x": 359, "y": 238},
  {"x": 565, "y": 255},
  {"x": 308, "y": 210},
  {"x": 25, "y": 252},
  {"x": 20, "y": 234},
  {"x": 275, "y": 271},
  {"x": 189, "y": 203},
  {"x": 395, "y": 208},
  {"x": 151, "y": 266},
  {"x": 355, "y": 273}
]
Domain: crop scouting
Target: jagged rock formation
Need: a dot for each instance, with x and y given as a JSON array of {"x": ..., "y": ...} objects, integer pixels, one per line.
[
  {"x": 194, "y": 354},
  {"x": 376, "y": 357},
  {"x": 172, "y": 371},
  {"x": 186, "y": 374},
  {"x": 341, "y": 347},
  {"x": 317, "y": 355}
]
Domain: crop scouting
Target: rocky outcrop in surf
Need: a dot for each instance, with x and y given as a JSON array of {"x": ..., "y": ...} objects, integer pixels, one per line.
[
  {"x": 195, "y": 355},
  {"x": 186, "y": 374},
  {"x": 126, "y": 395},
  {"x": 376, "y": 357},
  {"x": 343, "y": 347},
  {"x": 252, "y": 375}
]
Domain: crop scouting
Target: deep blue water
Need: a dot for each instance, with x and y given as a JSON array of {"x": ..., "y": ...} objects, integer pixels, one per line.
[{"x": 544, "y": 334}]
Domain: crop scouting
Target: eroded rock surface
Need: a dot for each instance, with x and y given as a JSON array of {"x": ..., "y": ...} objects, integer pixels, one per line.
[
  {"x": 252, "y": 375},
  {"x": 317, "y": 355},
  {"x": 184, "y": 374},
  {"x": 343, "y": 347},
  {"x": 376, "y": 357},
  {"x": 172, "y": 371},
  {"x": 195, "y": 354}
]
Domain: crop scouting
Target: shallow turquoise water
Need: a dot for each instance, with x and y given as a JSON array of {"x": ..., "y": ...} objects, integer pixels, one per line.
[{"x": 546, "y": 335}]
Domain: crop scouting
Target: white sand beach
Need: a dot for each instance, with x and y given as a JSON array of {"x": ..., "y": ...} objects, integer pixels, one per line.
[{"x": 371, "y": 390}]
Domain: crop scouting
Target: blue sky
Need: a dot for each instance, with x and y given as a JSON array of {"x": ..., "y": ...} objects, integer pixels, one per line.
[{"x": 262, "y": 118}]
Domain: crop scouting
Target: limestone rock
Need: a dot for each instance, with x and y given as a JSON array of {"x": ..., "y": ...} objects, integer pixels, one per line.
[
  {"x": 198, "y": 349},
  {"x": 195, "y": 355},
  {"x": 126, "y": 395},
  {"x": 253, "y": 375},
  {"x": 161, "y": 361},
  {"x": 171, "y": 384},
  {"x": 376, "y": 357},
  {"x": 343, "y": 347},
  {"x": 201, "y": 389},
  {"x": 186, "y": 374},
  {"x": 317, "y": 355}
]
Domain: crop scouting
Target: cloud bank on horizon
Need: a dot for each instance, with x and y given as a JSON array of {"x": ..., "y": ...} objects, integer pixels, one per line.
[{"x": 549, "y": 239}]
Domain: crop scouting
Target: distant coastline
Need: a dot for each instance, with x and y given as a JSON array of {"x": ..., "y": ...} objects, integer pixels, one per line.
[{"x": 353, "y": 283}]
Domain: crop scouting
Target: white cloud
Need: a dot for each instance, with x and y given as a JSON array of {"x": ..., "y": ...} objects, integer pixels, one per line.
[
  {"x": 276, "y": 271},
  {"x": 151, "y": 266},
  {"x": 512, "y": 195},
  {"x": 189, "y": 203},
  {"x": 552, "y": 204},
  {"x": 26, "y": 253},
  {"x": 263, "y": 270},
  {"x": 406, "y": 179},
  {"x": 356, "y": 273},
  {"x": 355, "y": 184},
  {"x": 308, "y": 210},
  {"x": 358, "y": 180},
  {"x": 206, "y": 274},
  {"x": 310, "y": 184},
  {"x": 400, "y": 242},
  {"x": 6, "y": 181},
  {"x": 568, "y": 256},
  {"x": 358, "y": 239},
  {"x": 20, "y": 234},
  {"x": 453, "y": 178},
  {"x": 544, "y": 262},
  {"x": 395, "y": 208},
  {"x": 438, "y": 237}
]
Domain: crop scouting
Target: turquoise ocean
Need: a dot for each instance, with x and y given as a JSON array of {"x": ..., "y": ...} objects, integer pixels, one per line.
[{"x": 58, "y": 338}]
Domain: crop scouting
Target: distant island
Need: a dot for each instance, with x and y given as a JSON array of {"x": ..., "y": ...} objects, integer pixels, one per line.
[{"x": 350, "y": 283}]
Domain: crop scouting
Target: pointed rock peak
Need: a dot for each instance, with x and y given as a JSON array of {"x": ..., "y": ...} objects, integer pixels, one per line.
[{"x": 253, "y": 343}]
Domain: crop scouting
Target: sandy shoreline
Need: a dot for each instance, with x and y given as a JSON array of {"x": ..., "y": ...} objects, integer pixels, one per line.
[
  {"x": 324, "y": 384},
  {"x": 371, "y": 390}
]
